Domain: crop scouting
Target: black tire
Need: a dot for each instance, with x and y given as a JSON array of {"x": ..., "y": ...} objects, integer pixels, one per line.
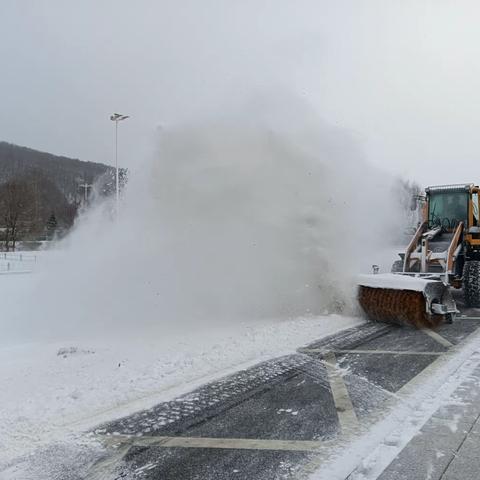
[
  {"x": 397, "y": 266},
  {"x": 449, "y": 318},
  {"x": 471, "y": 283}
]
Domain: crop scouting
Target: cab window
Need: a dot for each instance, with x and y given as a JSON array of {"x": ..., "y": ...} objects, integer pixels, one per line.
[{"x": 447, "y": 209}]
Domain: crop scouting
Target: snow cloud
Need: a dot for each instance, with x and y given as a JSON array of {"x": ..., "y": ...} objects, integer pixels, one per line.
[{"x": 263, "y": 212}]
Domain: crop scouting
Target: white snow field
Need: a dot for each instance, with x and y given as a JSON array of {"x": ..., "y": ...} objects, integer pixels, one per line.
[{"x": 52, "y": 390}]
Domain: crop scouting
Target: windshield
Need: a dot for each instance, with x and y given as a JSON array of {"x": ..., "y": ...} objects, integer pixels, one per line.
[{"x": 447, "y": 209}]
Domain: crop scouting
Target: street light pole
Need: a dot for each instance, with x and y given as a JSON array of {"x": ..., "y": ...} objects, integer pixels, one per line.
[
  {"x": 117, "y": 187},
  {"x": 117, "y": 117}
]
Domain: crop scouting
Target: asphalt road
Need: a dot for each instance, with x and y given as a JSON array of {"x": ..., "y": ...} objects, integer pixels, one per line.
[{"x": 272, "y": 420}]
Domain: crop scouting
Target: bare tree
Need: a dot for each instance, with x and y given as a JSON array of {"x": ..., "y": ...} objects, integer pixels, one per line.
[{"x": 16, "y": 204}]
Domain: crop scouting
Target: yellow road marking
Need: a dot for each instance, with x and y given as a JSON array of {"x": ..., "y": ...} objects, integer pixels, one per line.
[
  {"x": 438, "y": 338},
  {"x": 379, "y": 352},
  {"x": 346, "y": 414},
  {"x": 207, "y": 442}
]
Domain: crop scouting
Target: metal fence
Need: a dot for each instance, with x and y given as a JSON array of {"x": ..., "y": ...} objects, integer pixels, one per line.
[{"x": 11, "y": 262}]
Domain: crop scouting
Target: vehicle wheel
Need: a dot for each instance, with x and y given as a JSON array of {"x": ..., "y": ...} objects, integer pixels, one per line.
[
  {"x": 397, "y": 266},
  {"x": 471, "y": 283},
  {"x": 449, "y": 318}
]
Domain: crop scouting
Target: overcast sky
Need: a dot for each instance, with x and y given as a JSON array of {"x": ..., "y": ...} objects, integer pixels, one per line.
[{"x": 403, "y": 75}]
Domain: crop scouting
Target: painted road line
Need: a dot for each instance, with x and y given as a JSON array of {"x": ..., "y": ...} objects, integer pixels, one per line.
[
  {"x": 438, "y": 338},
  {"x": 106, "y": 467},
  {"x": 346, "y": 414},
  {"x": 221, "y": 443},
  {"x": 312, "y": 350},
  {"x": 375, "y": 352},
  {"x": 430, "y": 370},
  {"x": 465, "y": 317},
  {"x": 423, "y": 376},
  {"x": 402, "y": 394},
  {"x": 389, "y": 352}
]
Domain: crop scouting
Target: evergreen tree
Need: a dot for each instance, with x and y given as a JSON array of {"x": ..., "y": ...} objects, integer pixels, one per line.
[{"x": 51, "y": 226}]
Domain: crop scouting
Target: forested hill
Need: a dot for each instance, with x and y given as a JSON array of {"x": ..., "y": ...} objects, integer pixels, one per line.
[{"x": 66, "y": 173}]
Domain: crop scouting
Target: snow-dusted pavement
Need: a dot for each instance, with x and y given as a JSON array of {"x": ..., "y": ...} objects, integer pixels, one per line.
[
  {"x": 54, "y": 392},
  {"x": 446, "y": 447},
  {"x": 370, "y": 401},
  {"x": 342, "y": 407},
  {"x": 428, "y": 429},
  {"x": 373, "y": 401}
]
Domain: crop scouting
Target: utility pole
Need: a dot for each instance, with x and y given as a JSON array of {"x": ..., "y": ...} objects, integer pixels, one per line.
[
  {"x": 117, "y": 117},
  {"x": 85, "y": 187}
]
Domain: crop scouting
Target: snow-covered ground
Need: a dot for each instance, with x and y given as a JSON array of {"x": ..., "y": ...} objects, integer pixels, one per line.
[{"x": 52, "y": 390}]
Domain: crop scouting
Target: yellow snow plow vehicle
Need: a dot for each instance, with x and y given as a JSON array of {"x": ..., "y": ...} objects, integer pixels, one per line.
[{"x": 443, "y": 253}]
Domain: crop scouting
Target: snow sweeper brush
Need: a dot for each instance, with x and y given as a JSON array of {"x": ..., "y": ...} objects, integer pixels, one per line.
[{"x": 401, "y": 299}]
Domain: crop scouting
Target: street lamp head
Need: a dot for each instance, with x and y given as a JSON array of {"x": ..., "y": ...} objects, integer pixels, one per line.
[{"x": 116, "y": 117}]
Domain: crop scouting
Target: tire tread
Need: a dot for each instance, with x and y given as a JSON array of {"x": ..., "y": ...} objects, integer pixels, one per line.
[{"x": 471, "y": 283}]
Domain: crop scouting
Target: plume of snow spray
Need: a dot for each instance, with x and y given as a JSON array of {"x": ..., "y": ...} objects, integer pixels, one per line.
[{"x": 267, "y": 212}]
